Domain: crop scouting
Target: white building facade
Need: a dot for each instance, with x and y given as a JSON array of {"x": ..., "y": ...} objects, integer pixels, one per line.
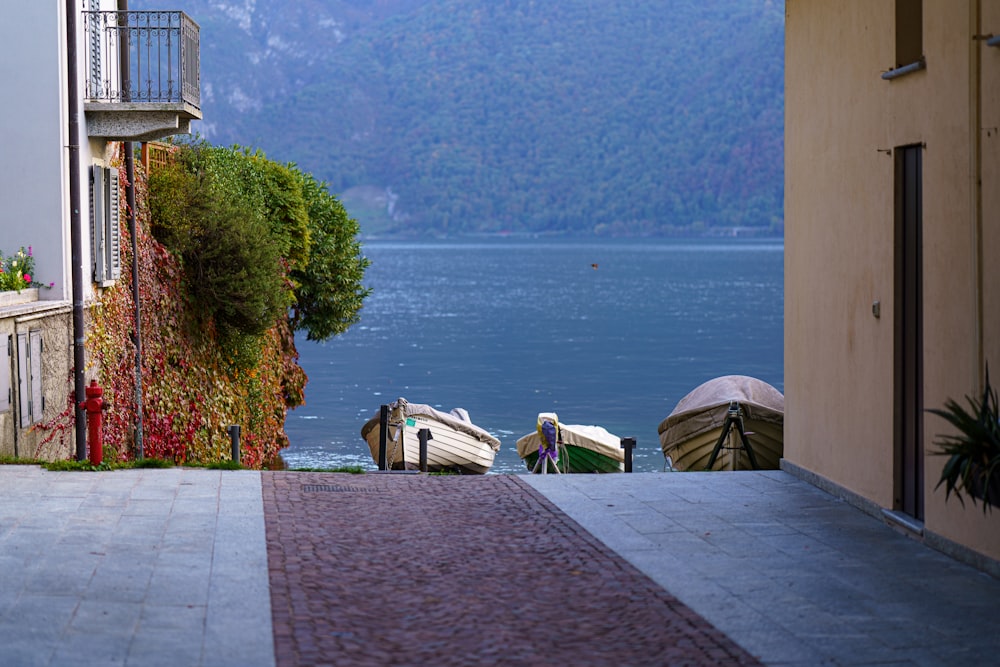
[{"x": 136, "y": 79}]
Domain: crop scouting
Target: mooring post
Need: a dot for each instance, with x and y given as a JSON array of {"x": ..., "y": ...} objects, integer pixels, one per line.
[
  {"x": 424, "y": 435},
  {"x": 234, "y": 438},
  {"x": 628, "y": 444},
  {"x": 383, "y": 436}
]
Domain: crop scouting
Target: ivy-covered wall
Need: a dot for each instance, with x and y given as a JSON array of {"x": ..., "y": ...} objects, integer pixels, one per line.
[{"x": 219, "y": 305}]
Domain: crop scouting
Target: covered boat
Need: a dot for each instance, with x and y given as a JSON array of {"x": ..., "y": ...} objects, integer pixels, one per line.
[
  {"x": 570, "y": 447},
  {"x": 733, "y": 422},
  {"x": 455, "y": 443}
]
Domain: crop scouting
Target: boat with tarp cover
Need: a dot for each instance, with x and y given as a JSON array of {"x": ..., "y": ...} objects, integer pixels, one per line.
[
  {"x": 455, "y": 443},
  {"x": 570, "y": 447},
  {"x": 734, "y": 422}
]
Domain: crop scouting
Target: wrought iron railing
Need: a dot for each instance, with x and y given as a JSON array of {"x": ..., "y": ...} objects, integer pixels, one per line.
[{"x": 144, "y": 57}]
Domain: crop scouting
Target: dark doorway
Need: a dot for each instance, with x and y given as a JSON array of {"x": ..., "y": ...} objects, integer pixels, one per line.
[{"x": 908, "y": 366}]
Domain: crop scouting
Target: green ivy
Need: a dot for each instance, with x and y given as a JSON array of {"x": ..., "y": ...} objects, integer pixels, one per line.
[{"x": 216, "y": 295}]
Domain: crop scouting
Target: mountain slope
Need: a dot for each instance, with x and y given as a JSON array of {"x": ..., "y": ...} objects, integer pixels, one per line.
[{"x": 620, "y": 116}]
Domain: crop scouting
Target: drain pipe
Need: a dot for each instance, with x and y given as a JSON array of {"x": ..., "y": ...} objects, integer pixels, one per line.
[
  {"x": 976, "y": 185},
  {"x": 137, "y": 339},
  {"x": 132, "y": 229},
  {"x": 76, "y": 228}
]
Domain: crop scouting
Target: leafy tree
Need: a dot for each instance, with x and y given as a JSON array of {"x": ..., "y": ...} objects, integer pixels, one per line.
[
  {"x": 259, "y": 241},
  {"x": 329, "y": 292},
  {"x": 231, "y": 259},
  {"x": 273, "y": 190}
]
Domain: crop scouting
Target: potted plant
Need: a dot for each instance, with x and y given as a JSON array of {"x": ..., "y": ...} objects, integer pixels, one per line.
[
  {"x": 16, "y": 270},
  {"x": 973, "y": 466}
]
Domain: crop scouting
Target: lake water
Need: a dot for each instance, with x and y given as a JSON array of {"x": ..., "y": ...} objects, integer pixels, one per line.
[{"x": 613, "y": 334}]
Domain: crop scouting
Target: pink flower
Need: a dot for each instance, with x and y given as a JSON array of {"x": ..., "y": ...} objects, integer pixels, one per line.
[
  {"x": 27, "y": 278},
  {"x": 29, "y": 251}
]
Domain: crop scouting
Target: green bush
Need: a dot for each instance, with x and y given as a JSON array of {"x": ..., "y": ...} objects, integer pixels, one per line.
[
  {"x": 329, "y": 293},
  {"x": 258, "y": 241},
  {"x": 231, "y": 255}
]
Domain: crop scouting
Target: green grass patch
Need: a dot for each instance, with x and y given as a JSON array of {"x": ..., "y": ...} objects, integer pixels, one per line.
[
  {"x": 81, "y": 466},
  {"x": 152, "y": 463},
  {"x": 14, "y": 461},
  {"x": 224, "y": 465},
  {"x": 353, "y": 470}
]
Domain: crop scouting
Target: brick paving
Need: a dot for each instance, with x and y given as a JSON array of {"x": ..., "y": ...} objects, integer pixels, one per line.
[{"x": 383, "y": 569}]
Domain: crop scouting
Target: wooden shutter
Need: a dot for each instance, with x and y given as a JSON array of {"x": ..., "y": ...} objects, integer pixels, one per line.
[
  {"x": 104, "y": 224},
  {"x": 35, "y": 363},
  {"x": 29, "y": 377},
  {"x": 5, "y": 372},
  {"x": 23, "y": 393},
  {"x": 95, "y": 89},
  {"x": 97, "y": 221},
  {"x": 112, "y": 228}
]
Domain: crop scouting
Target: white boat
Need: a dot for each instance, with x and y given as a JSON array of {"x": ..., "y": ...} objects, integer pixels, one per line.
[
  {"x": 706, "y": 423},
  {"x": 578, "y": 447},
  {"x": 455, "y": 443}
]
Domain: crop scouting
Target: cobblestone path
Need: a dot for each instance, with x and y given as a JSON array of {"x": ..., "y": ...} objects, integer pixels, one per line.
[{"x": 391, "y": 569}]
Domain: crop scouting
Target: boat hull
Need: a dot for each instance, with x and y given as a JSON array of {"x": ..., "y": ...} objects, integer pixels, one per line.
[
  {"x": 692, "y": 431},
  {"x": 582, "y": 449},
  {"x": 765, "y": 438},
  {"x": 577, "y": 459},
  {"x": 449, "y": 449}
]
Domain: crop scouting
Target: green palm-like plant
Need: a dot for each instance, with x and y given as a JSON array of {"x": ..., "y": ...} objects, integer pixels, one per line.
[{"x": 973, "y": 466}]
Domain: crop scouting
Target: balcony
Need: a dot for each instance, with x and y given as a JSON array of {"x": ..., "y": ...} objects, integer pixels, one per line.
[{"x": 143, "y": 78}]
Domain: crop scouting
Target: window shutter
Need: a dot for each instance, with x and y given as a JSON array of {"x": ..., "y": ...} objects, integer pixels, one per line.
[
  {"x": 94, "y": 87},
  {"x": 23, "y": 395},
  {"x": 104, "y": 224},
  {"x": 97, "y": 220},
  {"x": 35, "y": 362},
  {"x": 113, "y": 228},
  {"x": 5, "y": 372}
]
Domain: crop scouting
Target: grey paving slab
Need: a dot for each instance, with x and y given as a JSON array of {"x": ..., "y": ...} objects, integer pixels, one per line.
[
  {"x": 137, "y": 567},
  {"x": 792, "y": 574}
]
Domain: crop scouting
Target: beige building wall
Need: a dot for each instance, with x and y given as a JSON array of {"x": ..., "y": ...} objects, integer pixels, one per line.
[
  {"x": 843, "y": 122},
  {"x": 838, "y": 243}
]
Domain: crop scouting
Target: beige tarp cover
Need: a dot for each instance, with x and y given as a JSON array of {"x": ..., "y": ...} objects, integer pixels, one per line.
[
  {"x": 457, "y": 419},
  {"x": 706, "y": 406},
  {"x": 594, "y": 438}
]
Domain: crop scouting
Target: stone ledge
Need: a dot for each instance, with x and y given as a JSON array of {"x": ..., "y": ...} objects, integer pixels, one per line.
[
  {"x": 139, "y": 122},
  {"x": 13, "y": 298},
  {"x": 30, "y": 310}
]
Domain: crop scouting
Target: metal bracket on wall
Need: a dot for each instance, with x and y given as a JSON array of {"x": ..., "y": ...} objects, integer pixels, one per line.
[{"x": 905, "y": 69}]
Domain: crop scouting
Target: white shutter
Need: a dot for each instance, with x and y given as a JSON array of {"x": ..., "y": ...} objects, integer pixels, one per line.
[
  {"x": 104, "y": 224},
  {"x": 5, "y": 373},
  {"x": 23, "y": 394},
  {"x": 35, "y": 362},
  {"x": 113, "y": 228}
]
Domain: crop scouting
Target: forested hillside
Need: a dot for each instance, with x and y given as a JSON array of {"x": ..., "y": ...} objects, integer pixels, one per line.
[{"x": 615, "y": 117}]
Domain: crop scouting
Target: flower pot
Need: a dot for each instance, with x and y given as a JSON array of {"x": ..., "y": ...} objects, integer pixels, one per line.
[
  {"x": 26, "y": 295},
  {"x": 988, "y": 493}
]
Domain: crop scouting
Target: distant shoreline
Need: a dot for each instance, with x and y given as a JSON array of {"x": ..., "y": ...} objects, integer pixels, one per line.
[{"x": 756, "y": 233}]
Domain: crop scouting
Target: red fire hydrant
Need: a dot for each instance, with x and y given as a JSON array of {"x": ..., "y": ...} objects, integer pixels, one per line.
[{"x": 95, "y": 406}]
